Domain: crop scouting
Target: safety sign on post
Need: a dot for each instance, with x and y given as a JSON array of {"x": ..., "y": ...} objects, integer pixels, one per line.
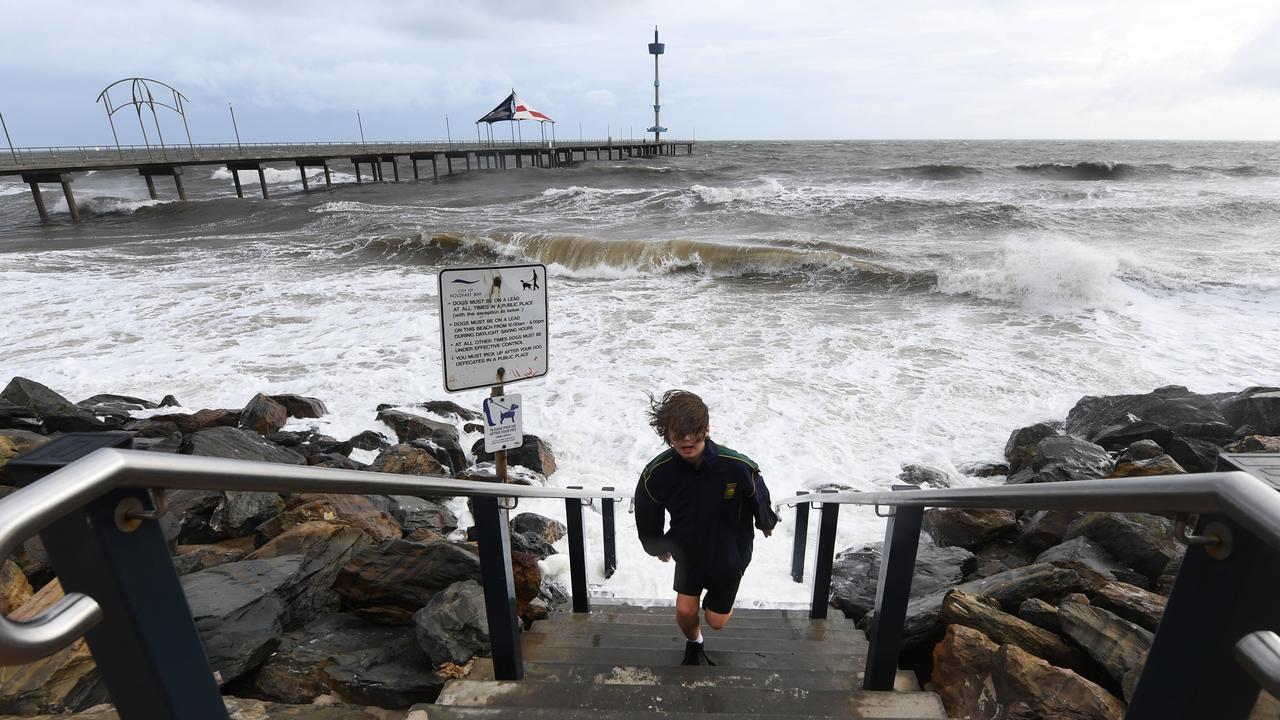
[
  {"x": 503, "y": 428},
  {"x": 493, "y": 325}
]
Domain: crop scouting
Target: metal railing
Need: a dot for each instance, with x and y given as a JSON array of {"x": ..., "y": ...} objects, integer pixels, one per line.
[{"x": 1216, "y": 642}]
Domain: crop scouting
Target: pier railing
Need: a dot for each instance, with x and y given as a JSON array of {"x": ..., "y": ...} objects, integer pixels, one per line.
[
  {"x": 1217, "y": 641},
  {"x": 95, "y": 505}
]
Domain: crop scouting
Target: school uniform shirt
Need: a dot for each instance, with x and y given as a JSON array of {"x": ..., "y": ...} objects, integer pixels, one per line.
[{"x": 713, "y": 508}]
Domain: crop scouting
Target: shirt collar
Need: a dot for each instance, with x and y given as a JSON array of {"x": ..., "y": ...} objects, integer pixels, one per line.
[{"x": 710, "y": 453}]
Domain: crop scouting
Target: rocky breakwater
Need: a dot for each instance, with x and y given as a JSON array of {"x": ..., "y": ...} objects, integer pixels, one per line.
[
  {"x": 1051, "y": 613},
  {"x": 308, "y": 604}
]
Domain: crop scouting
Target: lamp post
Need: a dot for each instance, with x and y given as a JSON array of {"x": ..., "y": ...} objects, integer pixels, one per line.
[
  {"x": 447, "y": 132},
  {"x": 234, "y": 126},
  {"x": 6, "y": 138},
  {"x": 360, "y": 122}
]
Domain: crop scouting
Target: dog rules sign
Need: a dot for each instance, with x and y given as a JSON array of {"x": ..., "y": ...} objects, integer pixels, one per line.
[
  {"x": 493, "y": 325},
  {"x": 502, "y": 425}
]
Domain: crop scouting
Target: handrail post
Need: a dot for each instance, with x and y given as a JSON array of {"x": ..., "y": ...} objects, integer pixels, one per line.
[
  {"x": 147, "y": 647},
  {"x": 494, "y": 536},
  {"x": 577, "y": 554},
  {"x": 801, "y": 539},
  {"x": 893, "y": 592},
  {"x": 830, "y": 516},
  {"x": 610, "y": 541}
]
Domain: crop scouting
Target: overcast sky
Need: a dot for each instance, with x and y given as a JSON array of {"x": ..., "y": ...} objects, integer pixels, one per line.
[{"x": 1136, "y": 69}]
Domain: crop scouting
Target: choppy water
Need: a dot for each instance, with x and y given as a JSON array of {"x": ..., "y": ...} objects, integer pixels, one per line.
[{"x": 844, "y": 307}]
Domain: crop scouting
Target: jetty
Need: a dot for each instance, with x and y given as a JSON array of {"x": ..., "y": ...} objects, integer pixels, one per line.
[{"x": 58, "y": 165}]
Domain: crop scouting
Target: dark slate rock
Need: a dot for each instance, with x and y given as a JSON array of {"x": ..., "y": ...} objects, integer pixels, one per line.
[
  {"x": 967, "y": 527},
  {"x": 410, "y": 427},
  {"x": 169, "y": 401},
  {"x": 227, "y": 442},
  {"x": 397, "y": 578},
  {"x": 186, "y": 517},
  {"x": 415, "y": 513},
  {"x": 1257, "y": 407},
  {"x": 335, "y": 460},
  {"x": 301, "y": 407},
  {"x": 58, "y": 413},
  {"x": 1040, "y": 613},
  {"x": 924, "y": 475},
  {"x": 201, "y": 419},
  {"x": 1217, "y": 433},
  {"x": 284, "y": 438},
  {"x": 445, "y": 407},
  {"x": 447, "y": 453},
  {"x": 263, "y": 415},
  {"x": 532, "y": 544},
  {"x": 1092, "y": 561},
  {"x": 547, "y": 529},
  {"x": 1039, "y": 530},
  {"x": 369, "y": 440},
  {"x": 999, "y": 556},
  {"x": 984, "y": 469},
  {"x": 1022, "y": 443},
  {"x": 1194, "y": 455},
  {"x": 1120, "y": 436},
  {"x": 855, "y": 573},
  {"x": 1140, "y": 450},
  {"x": 1168, "y": 406},
  {"x": 472, "y": 428},
  {"x": 1066, "y": 458},
  {"x": 238, "y": 513},
  {"x": 453, "y": 627},
  {"x": 405, "y": 459},
  {"x": 1142, "y": 542},
  {"x": 19, "y": 417},
  {"x": 119, "y": 402},
  {"x": 1118, "y": 645},
  {"x": 533, "y": 454}
]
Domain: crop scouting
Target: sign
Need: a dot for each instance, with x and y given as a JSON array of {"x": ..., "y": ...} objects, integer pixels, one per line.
[
  {"x": 502, "y": 423},
  {"x": 493, "y": 325}
]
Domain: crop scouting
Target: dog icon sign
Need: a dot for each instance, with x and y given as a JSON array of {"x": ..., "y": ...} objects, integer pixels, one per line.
[{"x": 503, "y": 426}]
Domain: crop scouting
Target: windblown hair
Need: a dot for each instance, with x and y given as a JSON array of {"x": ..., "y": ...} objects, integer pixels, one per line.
[{"x": 680, "y": 412}]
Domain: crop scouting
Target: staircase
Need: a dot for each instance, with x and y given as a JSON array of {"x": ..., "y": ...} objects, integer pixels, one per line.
[{"x": 622, "y": 661}]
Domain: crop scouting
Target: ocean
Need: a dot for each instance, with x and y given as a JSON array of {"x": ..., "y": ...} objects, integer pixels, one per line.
[{"x": 845, "y": 308}]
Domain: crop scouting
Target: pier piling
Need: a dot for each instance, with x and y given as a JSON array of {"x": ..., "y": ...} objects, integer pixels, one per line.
[{"x": 63, "y": 179}]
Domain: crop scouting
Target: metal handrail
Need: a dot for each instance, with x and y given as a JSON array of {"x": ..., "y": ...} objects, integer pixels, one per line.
[
  {"x": 1236, "y": 494},
  {"x": 1259, "y": 654},
  {"x": 27, "y": 511}
]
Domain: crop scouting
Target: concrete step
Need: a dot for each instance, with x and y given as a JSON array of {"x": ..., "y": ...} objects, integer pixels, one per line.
[
  {"x": 845, "y": 663},
  {"x": 700, "y": 675},
  {"x": 452, "y": 712},
  {"x": 661, "y": 618},
  {"x": 779, "y": 629},
  {"x": 675, "y": 643},
  {"x": 733, "y": 701},
  {"x": 601, "y": 606}
]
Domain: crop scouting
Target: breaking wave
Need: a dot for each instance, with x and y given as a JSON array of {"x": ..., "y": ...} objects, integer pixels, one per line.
[{"x": 1081, "y": 170}]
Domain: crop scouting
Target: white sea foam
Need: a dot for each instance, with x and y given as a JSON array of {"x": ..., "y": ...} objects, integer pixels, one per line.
[
  {"x": 273, "y": 175},
  {"x": 7, "y": 189},
  {"x": 766, "y": 188}
]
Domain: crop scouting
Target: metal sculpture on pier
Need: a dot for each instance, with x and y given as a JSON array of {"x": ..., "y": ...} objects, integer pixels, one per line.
[
  {"x": 655, "y": 49},
  {"x": 142, "y": 95},
  {"x": 515, "y": 110}
]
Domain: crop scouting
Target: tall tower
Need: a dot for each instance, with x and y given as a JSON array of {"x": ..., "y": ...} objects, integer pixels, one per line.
[{"x": 655, "y": 49}]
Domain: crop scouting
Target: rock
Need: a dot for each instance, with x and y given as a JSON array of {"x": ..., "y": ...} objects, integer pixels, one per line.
[
  {"x": 1125, "y": 434},
  {"x": 238, "y": 513},
  {"x": 283, "y": 438},
  {"x": 1000, "y": 556},
  {"x": 1095, "y": 565},
  {"x": 355, "y": 511},
  {"x": 531, "y": 544},
  {"x": 186, "y": 517},
  {"x": 445, "y": 407},
  {"x": 245, "y": 709},
  {"x": 1064, "y": 458},
  {"x": 855, "y": 573},
  {"x": 200, "y": 420},
  {"x": 35, "y": 563},
  {"x": 169, "y": 401},
  {"x": 1140, "y": 450},
  {"x": 15, "y": 591},
  {"x": 453, "y": 627},
  {"x": 1039, "y": 613},
  {"x": 194, "y": 558},
  {"x": 980, "y": 680},
  {"x": 1256, "y": 443},
  {"x": 545, "y": 528},
  {"x": 331, "y": 544},
  {"x": 967, "y": 527},
  {"x": 415, "y": 513},
  {"x": 358, "y": 661},
  {"x": 1257, "y": 407},
  {"x": 335, "y": 460},
  {"x": 1132, "y": 603},
  {"x": 528, "y": 582},
  {"x": 1022, "y": 444},
  {"x": 984, "y": 469},
  {"x": 1142, "y": 542},
  {"x": 516, "y": 474},
  {"x": 398, "y": 578},
  {"x": 298, "y": 406},
  {"x": 1168, "y": 406},
  {"x": 1076, "y": 597},
  {"x": 1160, "y": 465},
  {"x": 369, "y": 440},
  {"x": 404, "y": 459},
  {"x": 924, "y": 475},
  {"x": 1194, "y": 455},
  {"x": 118, "y": 402},
  {"x": 962, "y": 608},
  {"x": 472, "y": 428},
  {"x": 57, "y": 413},
  {"x": 409, "y": 427},
  {"x": 1038, "y": 530},
  {"x": 19, "y": 417},
  {"x": 1164, "y": 584},
  {"x": 533, "y": 453},
  {"x": 1118, "y": 645},
  {"x": 448, "y": 455},
  {"x": 1215, "y": 432},
  {"x": 14, "y": 443},
  {"x": 65, "y": 680},
  {"x": 238, "y": 444},
  {"x": 263, "y": 415}
]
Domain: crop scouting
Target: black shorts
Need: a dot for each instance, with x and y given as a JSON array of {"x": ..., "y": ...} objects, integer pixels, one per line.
[{"x": 718, "y": 599}]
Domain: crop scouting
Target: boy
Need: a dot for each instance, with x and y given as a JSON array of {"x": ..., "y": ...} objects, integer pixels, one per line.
[{"x": 714, "y": 496}]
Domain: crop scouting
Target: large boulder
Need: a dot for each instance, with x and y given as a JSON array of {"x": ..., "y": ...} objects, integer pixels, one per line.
[
  {"x": 447, "y": 407},
  {"x": 967, "y": 527},
  {"x": 1255, "y": 407},
  {"x": 1168, "y": 406},
  {"x": 238, "y": 444},
  {"x": 855, "y": 573},
  {"x": 15, "y": 591},
  {"x": 516, "y": 474},
  {"x": 1158, "y": 465},
  {"x": 452, "y": 626},
  {"x": 1022, "y": 444},
  {"x": 194, "y": 558},
  {"x": 1000, "y": 555},
  {"x": 1118, "y": 645},
  {"x": 919, "y": 475},
  {"x": 545, "y": 528},
  {"x": 298, "y": 406},
  {"x": 356, "y": 511},
  {"x": 1142, "y": 542},
  {"x": 1064, "y": 458},
  {"x": 963, "y": 608},
  {"x": 405, "y": 459},
  {"x": 415, "y": 513},
  {"x": 358, "y": 661},
  {"x": 443, "y": 438},
  {"x": 55, "y": 411},
  {"x": 200, "y": 420},
  {"x": 263, "y": 415},
  {"x": 1039, "y": 530},
  {"x": 533, "y": 453},
  {"x": 19, "y": 417},
  {"x": 981, "y": 680},
  {"x": 1095, "y": 565},
  {"x": 66, "y": 680},
  {"x": 1256, "y": 443},
  {"x": 238, "y": 513},
  {"x": 392, "y": 581},
  {"x": 1132, "y": 603}
]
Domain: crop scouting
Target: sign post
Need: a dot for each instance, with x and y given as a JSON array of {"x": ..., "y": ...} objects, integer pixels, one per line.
[{"x": 493, "y": 330}]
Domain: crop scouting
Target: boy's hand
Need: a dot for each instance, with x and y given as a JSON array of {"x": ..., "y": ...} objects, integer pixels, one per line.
[
  {"x": 768, "y": 532},
  {"x": 665, "y": 557}
]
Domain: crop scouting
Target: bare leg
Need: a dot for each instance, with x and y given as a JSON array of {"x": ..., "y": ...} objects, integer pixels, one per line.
[
  {"x": 717, "y": 621},
  {"x": 687, "y": 615}
]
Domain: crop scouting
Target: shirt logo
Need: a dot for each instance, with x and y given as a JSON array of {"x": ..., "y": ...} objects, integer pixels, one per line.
[{"x": 729, "y": 489}]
